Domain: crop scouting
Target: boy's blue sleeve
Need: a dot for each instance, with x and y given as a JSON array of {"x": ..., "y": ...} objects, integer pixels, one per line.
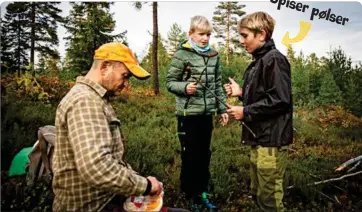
[{"x": 278, "y": 98}]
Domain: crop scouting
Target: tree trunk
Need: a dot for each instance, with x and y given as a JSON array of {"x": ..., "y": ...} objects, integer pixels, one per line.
[
  {"x": 32, "y": 39},
  {"x": 227, "y": 34},
  {"x": 18, "y": 49},
  {"x": 95, "y": 29},
  {"x": 156, "y": 87}
]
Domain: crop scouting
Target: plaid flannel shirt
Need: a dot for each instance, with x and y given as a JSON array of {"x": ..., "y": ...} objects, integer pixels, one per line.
[{"x": 88, "y": 161}]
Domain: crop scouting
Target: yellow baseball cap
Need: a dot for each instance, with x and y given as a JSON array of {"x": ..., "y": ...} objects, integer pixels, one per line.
[{"x": 119, "y": 52}]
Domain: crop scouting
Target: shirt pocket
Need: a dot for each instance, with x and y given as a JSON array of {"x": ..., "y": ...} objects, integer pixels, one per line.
[
  {"x": 112, "y": 120},
  {"x": 117, "y": 137}
]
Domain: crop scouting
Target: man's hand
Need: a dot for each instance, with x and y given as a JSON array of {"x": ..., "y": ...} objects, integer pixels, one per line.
[
  {"x": 224, "y": 119},
  {"x": 233, "y": 89},
  {"x": 237, "y": 112},
  {"x": 191, "y": 88},
  {"x": 156, "y": 187}
]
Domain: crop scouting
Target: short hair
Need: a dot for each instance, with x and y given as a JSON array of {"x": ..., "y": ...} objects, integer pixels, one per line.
[
  {"x": 103, "y": 63},
  {"x": 201, "y": 23},
  {"x": 257, "y": 22}
]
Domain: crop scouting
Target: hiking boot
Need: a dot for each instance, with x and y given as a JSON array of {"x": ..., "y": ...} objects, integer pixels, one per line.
[{"x": 206, "y": 203}]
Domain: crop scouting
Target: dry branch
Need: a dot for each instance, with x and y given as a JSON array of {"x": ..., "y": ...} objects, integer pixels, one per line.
[
  {"x": 347, "y": 163},
  {"x": 330, "y": 180}
]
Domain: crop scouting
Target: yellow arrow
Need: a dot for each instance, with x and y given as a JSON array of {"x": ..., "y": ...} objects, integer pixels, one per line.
[{"x": 304, "y": 28}]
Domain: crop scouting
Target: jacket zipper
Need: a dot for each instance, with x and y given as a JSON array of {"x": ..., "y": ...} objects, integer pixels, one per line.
[
  {"x": 204, "y": 90},
  {"x": 206, "y": 61}
]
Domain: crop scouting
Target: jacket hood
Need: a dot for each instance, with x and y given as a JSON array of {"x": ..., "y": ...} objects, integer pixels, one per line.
[{"x": 185, "y": 45}]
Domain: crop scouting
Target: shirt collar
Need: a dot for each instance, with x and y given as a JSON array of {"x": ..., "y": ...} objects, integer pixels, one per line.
[{"x": 95, "y": 86}]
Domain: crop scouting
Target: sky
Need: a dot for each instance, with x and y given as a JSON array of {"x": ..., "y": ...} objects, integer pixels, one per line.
[{"x": 322, "y": 37}]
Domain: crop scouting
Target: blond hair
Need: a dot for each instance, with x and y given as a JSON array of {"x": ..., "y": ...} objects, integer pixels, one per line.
[
  {"x": 257, "y": 22},
  {"x": 201, "y": 23}
]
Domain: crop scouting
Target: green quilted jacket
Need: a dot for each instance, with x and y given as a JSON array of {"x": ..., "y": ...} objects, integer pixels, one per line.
[{"x": 185, "y": 65}]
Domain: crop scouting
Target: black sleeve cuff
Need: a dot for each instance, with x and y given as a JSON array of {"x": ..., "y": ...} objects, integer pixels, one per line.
[
  {"x": 240, "y": 98},
  {"x": 246, "y": 111},
  {"x": 148, "y": 189}
]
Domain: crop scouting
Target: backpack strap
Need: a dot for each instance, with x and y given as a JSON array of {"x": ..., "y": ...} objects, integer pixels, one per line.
[{"x": 41, "y": 155}]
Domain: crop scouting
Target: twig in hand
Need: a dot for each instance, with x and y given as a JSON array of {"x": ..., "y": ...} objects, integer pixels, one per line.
[
  {"x": 208, "y": 89},
  {"x": 220, "y": 101}
]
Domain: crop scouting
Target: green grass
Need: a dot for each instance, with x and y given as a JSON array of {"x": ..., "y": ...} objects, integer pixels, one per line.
[{"x": 152, "y": 148}]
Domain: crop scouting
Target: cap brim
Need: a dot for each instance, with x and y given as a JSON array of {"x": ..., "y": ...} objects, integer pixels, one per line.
[{"x": 139, "y": 72}]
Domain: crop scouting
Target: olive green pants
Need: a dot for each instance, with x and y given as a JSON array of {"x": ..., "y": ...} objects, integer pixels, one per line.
[{"x": 267, "y": 171}]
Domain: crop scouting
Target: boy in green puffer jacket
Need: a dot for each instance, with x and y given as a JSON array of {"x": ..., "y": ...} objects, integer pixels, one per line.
[{"x": 194, "y": 63}]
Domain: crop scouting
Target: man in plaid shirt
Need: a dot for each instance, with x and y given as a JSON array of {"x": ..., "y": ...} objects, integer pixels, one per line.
[{"x": 89, "y": 171}]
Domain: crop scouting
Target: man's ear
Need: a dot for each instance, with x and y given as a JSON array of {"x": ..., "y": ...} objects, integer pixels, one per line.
[
  {"x": 103, "y": 70},
  {"x": 104, "y": 67}
]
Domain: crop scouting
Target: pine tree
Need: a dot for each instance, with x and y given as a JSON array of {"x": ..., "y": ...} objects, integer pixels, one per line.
[
  {"x": 175, "y": 36},
  {"x": 329, "y": 92},
  {"x": 89, "y": 25},
  {"x": 16, "y": 37},
  {"x": 225, "y": 21},
  {"x": 155, "y": 78},
  {"x": 44, "y": 17}
]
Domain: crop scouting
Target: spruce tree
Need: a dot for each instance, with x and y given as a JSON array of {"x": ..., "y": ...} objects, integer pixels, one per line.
[
  {"x": 89, "y": 25},
  {"x": 339, "y": 65},
  {"x": 329, "y": 92},
  {"x": 313, "y": 64},
  {"x": 291, "y": 54},
  {"x": 353, "y": 96},
  {"x": 300, "y": 81},
  {"x": 48, "y": 64},
  {"x": 44, "y": 18},
  {"x": 7, "y": 60},
  {"x": 16, "y": 37}
]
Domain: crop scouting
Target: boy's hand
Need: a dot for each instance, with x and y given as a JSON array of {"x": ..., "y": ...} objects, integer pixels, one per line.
[
  {"x": 233, "y": 89},
  {"x": 191, "y": 88},
  {"x": 156, "y": 187},
  {"x": 237, "y": 112},
  {"x": 224, "y": 119}
]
